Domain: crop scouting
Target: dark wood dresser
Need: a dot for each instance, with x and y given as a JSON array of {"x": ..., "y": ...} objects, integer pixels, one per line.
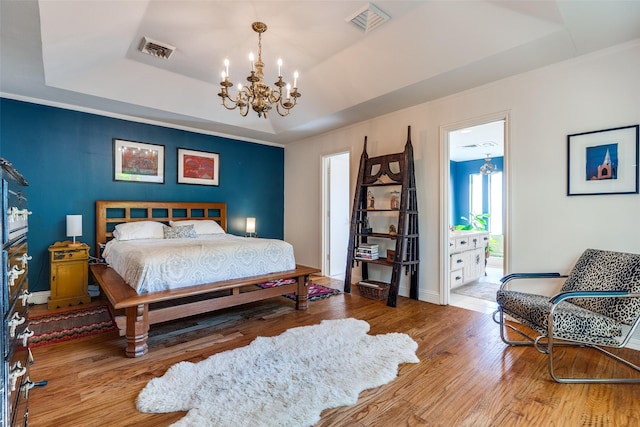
[{"x": 16, "y": 356}]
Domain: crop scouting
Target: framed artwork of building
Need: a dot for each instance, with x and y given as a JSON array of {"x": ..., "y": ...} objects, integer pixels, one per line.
[{"x": 603, "y": 162}]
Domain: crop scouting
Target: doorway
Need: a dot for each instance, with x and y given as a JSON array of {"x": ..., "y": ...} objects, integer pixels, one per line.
[
  {"x": 474, "y": 201},
  {"x": 335, "y": 169}
]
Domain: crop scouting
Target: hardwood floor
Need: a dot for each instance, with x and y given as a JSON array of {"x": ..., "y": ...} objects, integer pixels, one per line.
[{"x": 466, "y": 375}]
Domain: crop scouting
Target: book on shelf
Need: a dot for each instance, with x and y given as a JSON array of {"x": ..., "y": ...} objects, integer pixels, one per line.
[
  {"x": 367, "y": 256},
  {"x": 369, "y": 246},
  {"x": 366, "y": 251}
]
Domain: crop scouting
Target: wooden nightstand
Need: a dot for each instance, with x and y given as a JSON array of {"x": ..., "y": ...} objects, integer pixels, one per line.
[{"x": 69, "y": 274}]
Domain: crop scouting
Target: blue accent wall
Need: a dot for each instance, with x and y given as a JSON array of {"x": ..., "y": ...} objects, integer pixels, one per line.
[
  {"x": 67, "y": 157},
  {"x": 460, "y": 188}
]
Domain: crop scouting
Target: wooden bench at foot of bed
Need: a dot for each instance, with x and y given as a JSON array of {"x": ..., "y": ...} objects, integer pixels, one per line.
[{"x": 191, "y": 300}]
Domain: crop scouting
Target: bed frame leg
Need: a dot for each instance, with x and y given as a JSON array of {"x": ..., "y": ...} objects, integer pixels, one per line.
[
  {"x": 137, "y": 330},
  {"x": 302, "y": 293}
]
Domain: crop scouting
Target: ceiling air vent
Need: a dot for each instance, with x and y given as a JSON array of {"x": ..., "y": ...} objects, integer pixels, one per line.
[
  {"x": 156, "y": 48},
  {"x": 481, "y": 145},
  {"x": 368, "y": 18}
]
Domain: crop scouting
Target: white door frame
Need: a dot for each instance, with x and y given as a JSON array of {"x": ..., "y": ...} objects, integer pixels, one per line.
[
  {"x": 445, "y": 286},
  {"x": 326, "y": 207}
]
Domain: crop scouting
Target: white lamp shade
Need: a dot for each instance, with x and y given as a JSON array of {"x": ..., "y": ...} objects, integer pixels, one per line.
[
  {"x": 251, "y": 225},
  {"x": 74, "y": 225}
]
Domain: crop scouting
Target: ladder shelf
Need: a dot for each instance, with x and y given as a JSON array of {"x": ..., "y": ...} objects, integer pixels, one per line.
[{"x": 391, "y": 170}]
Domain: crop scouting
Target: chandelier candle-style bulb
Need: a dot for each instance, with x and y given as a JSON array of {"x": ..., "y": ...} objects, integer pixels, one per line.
[{"x": 257, "y": 95}]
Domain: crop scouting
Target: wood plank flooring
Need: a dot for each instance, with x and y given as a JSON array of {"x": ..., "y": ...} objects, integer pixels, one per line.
[{"x": 466, "y": 375}]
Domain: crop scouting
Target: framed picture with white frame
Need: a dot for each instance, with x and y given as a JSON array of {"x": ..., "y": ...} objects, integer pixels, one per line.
[{"x": 603, "y": 162}]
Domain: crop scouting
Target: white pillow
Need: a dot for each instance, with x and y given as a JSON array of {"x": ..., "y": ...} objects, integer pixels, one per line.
[
  {"x": 139, "y": 230},
  {"x": 201, "y": 226}
]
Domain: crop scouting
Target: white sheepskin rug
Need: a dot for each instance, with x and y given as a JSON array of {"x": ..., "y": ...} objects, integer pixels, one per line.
[{"x": 287, "y": 380}]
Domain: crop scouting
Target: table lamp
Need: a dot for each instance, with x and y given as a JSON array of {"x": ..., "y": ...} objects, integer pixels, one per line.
[
  {"x": 74, "y": 228},
  {"x": 251, "y": 227}
]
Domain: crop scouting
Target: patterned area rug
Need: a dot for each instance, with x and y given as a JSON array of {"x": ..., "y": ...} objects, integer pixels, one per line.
[
  {"x": 69, "y": 325},
  {"x": 315, "y": 291}
]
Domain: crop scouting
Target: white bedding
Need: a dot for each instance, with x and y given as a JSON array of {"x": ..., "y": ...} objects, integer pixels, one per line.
[{"x": 150, "y": 265}]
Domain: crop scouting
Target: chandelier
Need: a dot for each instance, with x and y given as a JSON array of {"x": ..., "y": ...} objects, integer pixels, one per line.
[
  {"x": 257, "y": 94},
  {"x": 488, "y": 168}
]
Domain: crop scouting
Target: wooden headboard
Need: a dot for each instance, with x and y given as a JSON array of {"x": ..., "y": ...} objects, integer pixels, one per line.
[{"x": 110, "y": 213}]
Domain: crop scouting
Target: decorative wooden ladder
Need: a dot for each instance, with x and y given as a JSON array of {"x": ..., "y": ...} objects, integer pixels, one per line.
[{"x": 370, "y": 172}]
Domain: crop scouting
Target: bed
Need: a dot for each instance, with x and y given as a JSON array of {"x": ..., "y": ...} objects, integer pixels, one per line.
[{"x": 147, "y": 298}]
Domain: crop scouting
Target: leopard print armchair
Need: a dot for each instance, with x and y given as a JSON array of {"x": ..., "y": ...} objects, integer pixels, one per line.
[{"x": 598, "y": 306}]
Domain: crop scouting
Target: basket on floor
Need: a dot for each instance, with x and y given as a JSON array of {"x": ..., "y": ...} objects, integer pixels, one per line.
[{"x": 373, "y": 289}]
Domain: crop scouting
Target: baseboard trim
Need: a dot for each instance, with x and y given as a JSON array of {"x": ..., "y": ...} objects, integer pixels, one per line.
[{"x": 41, "y": 297}]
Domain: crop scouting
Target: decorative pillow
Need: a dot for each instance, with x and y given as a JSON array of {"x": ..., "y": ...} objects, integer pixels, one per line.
[
  {"x": 201, "y": 226},
  {"x": 179, "y": 232},
  {"x": 139, "y": 230}
]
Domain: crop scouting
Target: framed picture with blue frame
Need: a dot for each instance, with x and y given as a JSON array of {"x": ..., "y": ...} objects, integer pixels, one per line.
[{"x": 603, "y": 162}]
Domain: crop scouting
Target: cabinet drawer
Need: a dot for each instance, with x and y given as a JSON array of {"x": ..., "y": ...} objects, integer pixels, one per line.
[
  {"x": 457, "y": 261},
  {"x": 17, "y": 384},
  {"x": 462, "y": 243},
  {"x": 15, "y": 327},
  {"x": 16, "y": 261},
  {"x": 479, "y": 240},
  {"x": 456, "y": 278},
  {"x": 68, "y": 255}
]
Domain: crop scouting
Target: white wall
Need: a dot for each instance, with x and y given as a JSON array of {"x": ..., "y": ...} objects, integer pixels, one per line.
[{"x": 549, "y": 230}]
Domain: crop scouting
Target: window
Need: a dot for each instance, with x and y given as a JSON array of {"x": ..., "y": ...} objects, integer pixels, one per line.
[
  {"x": 495, "y": 203},
  {"x": 485, "y": 196},
  {"x": 476, "y": 194}
]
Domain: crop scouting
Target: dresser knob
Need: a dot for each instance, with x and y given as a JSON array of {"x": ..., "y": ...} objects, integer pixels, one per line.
[
  {"x": 25, "y": 259},
  {"x": 15, "y": 373},
  {"x": 13, "y": 324},
  {"x": 25, "y": 335},
  {"x": 13, "y": 274},
  {"x": 25, "y": 297}
]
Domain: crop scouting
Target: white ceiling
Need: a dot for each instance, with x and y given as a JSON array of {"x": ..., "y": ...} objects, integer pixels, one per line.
[
  {"x": 477, "y": 142},
  {"x": 85, "y": 54}
]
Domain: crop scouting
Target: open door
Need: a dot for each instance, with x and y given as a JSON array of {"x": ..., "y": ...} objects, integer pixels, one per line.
[
  {"x": 336, "y": 214},
  {"x": 474, "y": 201}
]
